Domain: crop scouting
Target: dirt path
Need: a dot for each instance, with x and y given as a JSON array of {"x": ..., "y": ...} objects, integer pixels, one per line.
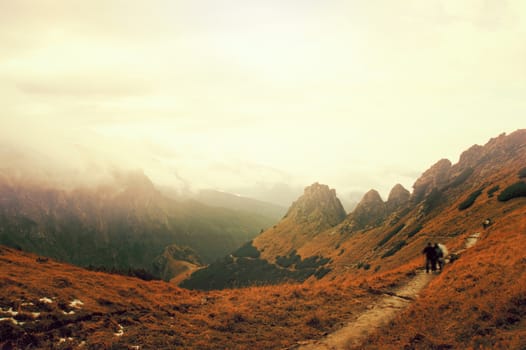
[{"x": 378, "y": 314}]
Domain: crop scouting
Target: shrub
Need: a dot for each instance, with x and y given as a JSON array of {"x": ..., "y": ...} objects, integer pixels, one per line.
[
  {"x": 522, "y": 173},
  {"x": 287, "y": 261},
  {"x": 414, "y": 231},
  {"x": 391, "y": 234},
  {"x": 518, "y": 189},
  {"x": 492, "y": 190},
  {"x": 247, "y": 251},
  {"x": 312, "y": 262},
  {"x": 322, "y": 271},
  {"x": 470, "y": 200},
  {"x": 393, "y": 250}
]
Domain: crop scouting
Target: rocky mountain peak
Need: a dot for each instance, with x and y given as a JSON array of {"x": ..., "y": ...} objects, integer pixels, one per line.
[
  {"x": 370, "y": 210},
  {"x": 318, "y": 204},
  {"x": 397, "y": 197},
  {"x": 436, "y": 176}
]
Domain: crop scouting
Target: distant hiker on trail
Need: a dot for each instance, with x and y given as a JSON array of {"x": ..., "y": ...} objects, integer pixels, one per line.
[
  {"x": 440, "y": 255},
  {"x": 431, "y": 257}
]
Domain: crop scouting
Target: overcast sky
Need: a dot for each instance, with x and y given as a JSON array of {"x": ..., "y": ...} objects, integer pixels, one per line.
[{"x": 254, "y": 96}]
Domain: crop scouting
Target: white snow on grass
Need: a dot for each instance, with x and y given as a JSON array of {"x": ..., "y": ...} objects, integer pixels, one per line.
[
  {"x": 11, "y": 319},
  {"x": 68, "y": 313},
  {"x": 76, "y": 303},
  {"x": 45, "y": 300},
  {"x": 35, "y": 314},
  {"x": 9, "y": 311},
  {"x": 120, "y": 332}
]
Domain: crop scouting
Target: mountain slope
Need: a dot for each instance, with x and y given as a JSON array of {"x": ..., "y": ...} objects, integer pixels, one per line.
[
  {"x": 121, "y": 225},
  {"x": 230, "y": 201},
  {"x": 447, "y": 204}
]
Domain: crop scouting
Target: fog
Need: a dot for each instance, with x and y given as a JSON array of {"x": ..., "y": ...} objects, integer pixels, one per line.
[{"x": 258, "y": 99}]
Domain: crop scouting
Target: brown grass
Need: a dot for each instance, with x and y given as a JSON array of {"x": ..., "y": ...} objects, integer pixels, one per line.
[
  {"x": 478, "y": 302},
  {"x": 159, "y": 315}
]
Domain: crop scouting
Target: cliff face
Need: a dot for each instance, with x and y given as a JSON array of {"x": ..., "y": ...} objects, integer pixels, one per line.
[
  {"x": 437, "y": 176},
  {"x": 370, "y": 211},
  {"x": 317, "y": 210},
  {"x": 318, "y": 205},
  {"x": 378, "y": 235}
]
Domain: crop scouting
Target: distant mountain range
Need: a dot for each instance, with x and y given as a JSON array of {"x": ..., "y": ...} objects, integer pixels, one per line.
[
  {"x": 362, "y": 269},
  {"x": 316, "y": 239},
  {"x": 127, "y": 224}
]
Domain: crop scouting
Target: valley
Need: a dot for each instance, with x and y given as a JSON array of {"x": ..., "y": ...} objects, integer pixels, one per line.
[{"x": 318, "y": 278}]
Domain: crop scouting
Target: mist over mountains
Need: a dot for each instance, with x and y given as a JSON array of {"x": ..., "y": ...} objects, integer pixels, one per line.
[
  {"x": 123, "y": 224},
  {"x": 328, "y": 267}
]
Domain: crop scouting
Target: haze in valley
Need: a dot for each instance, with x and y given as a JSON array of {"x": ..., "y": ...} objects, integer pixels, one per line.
[{"x": 257, "y": 98}]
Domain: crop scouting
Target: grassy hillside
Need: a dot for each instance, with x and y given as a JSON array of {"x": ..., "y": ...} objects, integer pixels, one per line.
[{"x": 127, "y": 224}]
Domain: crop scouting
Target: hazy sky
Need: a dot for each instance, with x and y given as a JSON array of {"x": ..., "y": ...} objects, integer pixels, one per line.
[{"x": 241, "y": 95}]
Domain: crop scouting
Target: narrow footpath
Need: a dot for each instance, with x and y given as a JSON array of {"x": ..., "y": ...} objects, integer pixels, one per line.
[{"x": 378, "y": 314}]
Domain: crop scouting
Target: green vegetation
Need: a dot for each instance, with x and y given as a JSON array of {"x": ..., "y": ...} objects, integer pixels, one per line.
[
  {"x": 491, "y": 191},
  {"x": 391, "y": 234},
  {"x": 362, "y": 265},
  {"x": 522, "y": 173},
  {"x": 288, "y": 261},
  {"x": 312, "y": 262},
  {"x": 247, "y": 251},
  {"x": 470, "y": 200},
  {"x": 248, "y": 271},
  {"x": 414, "y": 231},
  {"x": 395, "y": 249},
  {"x": 518, "y": 189},
  {"x": 139, "y": 273}
]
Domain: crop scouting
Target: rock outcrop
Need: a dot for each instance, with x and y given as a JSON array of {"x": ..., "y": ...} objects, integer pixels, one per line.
[
  {"x": 435, "y": 177},
  {"x": 319, "y": 205},
  {"x": 369, "y": 211},
  {"x": 398, "y": 197}
]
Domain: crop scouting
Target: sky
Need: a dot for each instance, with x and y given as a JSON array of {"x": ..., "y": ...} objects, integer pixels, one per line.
[{"x": 259, "y": 98}]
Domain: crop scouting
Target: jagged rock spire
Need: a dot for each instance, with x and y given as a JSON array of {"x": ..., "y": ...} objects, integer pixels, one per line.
[{"x": 318, "y": 204}]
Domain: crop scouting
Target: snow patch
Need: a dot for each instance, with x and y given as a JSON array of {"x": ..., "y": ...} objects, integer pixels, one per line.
[
  {"x": 120, "y": 332},
  {"x": 11, "y": 319},
  {"x": 68, "y": 313},
  {"x": 76, "y": 303},
  {"x": 35, "y": 314},
  {"x": 9, "y": 311},
  {"x": 45, "y": 300}
]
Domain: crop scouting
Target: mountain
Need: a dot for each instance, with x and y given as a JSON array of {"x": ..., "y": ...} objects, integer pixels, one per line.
[
  {"x": 448, "y": 201},
  {"x": 220, "y": 199},
  {"x": 122, "y": 225},
  {"x": 347, "y": 271}
]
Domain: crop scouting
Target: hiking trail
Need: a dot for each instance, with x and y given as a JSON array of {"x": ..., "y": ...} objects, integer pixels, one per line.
[{"x": 377, "y": 314}]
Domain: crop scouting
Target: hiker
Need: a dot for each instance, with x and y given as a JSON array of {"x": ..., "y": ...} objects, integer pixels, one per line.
[
  {"x": 439, "y": 256},
  {"x": 431, "y": 257},
  {"x": 486, "y": 223}
]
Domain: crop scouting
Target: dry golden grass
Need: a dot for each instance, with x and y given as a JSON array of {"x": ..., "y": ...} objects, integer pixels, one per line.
[
  {"x": 478, "y": 302},
  {"x": 159, "y": 315}
]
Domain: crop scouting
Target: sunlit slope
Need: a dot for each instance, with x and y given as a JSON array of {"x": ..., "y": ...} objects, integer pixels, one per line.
[{"x": 448, "y": 203}]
